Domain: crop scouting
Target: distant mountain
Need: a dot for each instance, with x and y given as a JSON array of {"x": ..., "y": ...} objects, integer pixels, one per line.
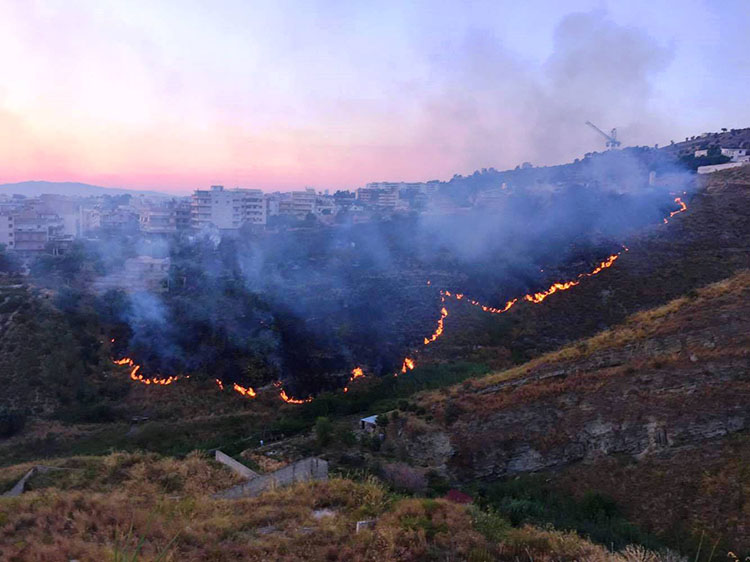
[{"x": 35, "y": 188}]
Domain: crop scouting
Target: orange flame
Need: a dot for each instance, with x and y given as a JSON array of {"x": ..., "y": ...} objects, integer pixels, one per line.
[
  {"x": 408, "y": 364},
  {"x": 357, "y": 372},
  {"x": 134, "y": 375},
  {"x": 603, "y": 265},
  {"x": 440, "y": 327},
  {"x": 288, "y": 399},
  {"x": 682, "y": 209},
  {"x": 248, "y": 392},
  {"x": 536, "y": 298}
]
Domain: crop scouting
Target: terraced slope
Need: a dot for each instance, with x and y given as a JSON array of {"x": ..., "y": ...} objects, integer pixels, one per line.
[{"x": 646, "y": 393}]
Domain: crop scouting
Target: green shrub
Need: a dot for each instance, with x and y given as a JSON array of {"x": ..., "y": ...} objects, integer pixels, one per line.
[{"x": 323, "y": 431}]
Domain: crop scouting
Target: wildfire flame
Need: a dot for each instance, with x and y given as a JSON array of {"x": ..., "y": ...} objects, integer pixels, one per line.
[
  {"x": 288, "y": 399},
  {"x": 357, "y": 372},
  {"x": 440, "y": 326},
  {"x": 536, "y": 298},
  {"x": 248, "y": 392},
  {"x": 682, "y": 209},
  {"x": 134, "y": 375},
  {"x": 408, "y": 362}
]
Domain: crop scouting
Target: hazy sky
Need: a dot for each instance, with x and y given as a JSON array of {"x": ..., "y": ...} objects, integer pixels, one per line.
[{"x": 175, "y": 95}]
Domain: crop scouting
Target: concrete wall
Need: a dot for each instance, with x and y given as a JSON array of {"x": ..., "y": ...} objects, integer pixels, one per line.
[
  {"x": 300, "y": 471},
  {"x": 20, "y": 486},
  {"x": 237, "y": 467},
  {"x": 718, "y": 167}
]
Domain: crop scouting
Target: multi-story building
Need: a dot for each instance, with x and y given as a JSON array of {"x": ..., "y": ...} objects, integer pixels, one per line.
[
  {"x": 33, "y": 231},
  {"x": 158, "y": 221},
  {"x": 296, "y": 203},
  {"x": 227, "y": 209},
  {"x": 7, "y": 234},
  {"x": 380, "y": 197},
  {"x": 120, "y": 219},
  {"x": 325, "y": 205},
  {"x": 91, "y": 220},
  {"x": 272, "y": 201},
  {"x": 182, "y": 212},
  {"x": 69, "y": 211},
  {"x": 303, "y": 202}
]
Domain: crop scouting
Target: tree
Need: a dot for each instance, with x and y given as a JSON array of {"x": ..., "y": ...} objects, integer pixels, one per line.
[
  {"x": 8, "y": 262},
  {"x": 323, "y": 431}
]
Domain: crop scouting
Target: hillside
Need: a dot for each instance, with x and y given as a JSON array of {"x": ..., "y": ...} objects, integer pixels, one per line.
[
  {"x": 141, "y": 506},
  {"x": 705, "y": 244},
  {"x": 627, "y": 394},
  {"x": 734, "y": 138},
  {"x": 73, "y": 189},
  {"x": 652, "y": 411}
]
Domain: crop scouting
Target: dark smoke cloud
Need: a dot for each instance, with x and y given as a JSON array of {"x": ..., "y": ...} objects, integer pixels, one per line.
[
  {"x": 498, "y": 108},
  {"x": 308, "y": 305},
  {"x": 304, "y": 305}
]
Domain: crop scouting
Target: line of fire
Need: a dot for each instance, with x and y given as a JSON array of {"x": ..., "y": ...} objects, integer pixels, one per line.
[{"x": 409, "y": 362}]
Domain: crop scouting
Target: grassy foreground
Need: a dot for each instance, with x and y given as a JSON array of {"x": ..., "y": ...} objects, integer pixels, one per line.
[{"x": 136, "y": 506}]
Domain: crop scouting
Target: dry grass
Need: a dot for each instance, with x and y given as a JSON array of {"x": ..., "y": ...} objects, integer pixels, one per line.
[{"x": 104, "y": 507}]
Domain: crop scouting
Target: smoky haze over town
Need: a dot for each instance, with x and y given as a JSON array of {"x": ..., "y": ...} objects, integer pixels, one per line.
[
  {"x": 323, "y": 281},
  {"x": 328, "y": 282}
]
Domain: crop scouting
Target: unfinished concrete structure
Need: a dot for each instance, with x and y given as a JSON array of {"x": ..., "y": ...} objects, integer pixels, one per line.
[{"x": 301, "y": 471}]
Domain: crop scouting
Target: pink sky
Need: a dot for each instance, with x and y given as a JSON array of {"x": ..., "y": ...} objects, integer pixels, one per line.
[{"x": 176, "y": 95}]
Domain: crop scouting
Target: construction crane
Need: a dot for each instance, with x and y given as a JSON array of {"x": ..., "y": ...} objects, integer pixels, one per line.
[{"x": 612, "y": 141}]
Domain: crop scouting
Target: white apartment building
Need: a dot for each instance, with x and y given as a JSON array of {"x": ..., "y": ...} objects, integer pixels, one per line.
[
  {"x": 7, "y": 231},
  {"x": 734, "y": 153},
  {"x": 303, "y": 202},
  {"x": 272, "y": 203},
  {"x": 227, "y": 209},
  {"x": 296, "y": 203},
  {"x": 325, "y": 205},
  {"x": 380, "y": 197}
]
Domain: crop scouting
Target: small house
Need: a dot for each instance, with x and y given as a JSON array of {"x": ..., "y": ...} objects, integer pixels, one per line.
[
  {"x": 368, "y": 424},
  {"x": 734, "y": 153}
]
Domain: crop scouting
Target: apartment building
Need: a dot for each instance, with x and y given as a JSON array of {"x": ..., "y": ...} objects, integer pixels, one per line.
[
  {"x": 296, "y": 203},
  {"x": 303, "y": 202},
  {"x": 227, "y": 209},
  {"x": 380, "y": 197},
  {"x": 158, "y": 221},
  {"x": 33, "y": 231},
  {"x": 7, "y": 231}
]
